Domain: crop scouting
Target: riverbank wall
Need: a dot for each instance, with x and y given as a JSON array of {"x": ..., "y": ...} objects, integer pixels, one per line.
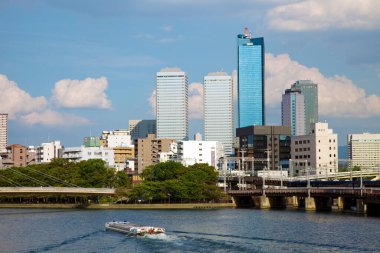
[{"x": 123, "y": 206}]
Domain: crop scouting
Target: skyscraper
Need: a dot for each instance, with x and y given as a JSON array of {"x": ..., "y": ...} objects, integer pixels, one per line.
[
  {"x": 251, "y": 88},
  {"x": 293, "y": 111},
  {"x": 172, "y": 104},
  {"x": 218, "y": 109},
  {"x": 310, "y": 93},
  {"x": 3, "y": 131}
]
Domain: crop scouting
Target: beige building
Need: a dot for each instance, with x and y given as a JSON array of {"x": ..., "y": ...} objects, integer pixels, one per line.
[
  {"x": 16, "y": 156},
  {"x": 315, "y": 153},
  {"x": 3, "y": 131},
  {"x": 364, "y": 150},
  {"x": 147, "y": 150},
  {"x": 121, "y": 154}
]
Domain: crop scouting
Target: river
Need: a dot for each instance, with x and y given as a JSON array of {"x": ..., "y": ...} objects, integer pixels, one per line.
[{"x": 222, "y": 230}]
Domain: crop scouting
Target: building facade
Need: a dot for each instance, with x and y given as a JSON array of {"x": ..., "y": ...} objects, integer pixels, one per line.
[
  {"x": 191, "y": 152},
  {"x": 218, "y": 110},
  {"x": 251, "y": 87},
  {"x": 364, "y": 150},
  {"x": 293, "y": 111},
  {"x": 48, "y": 151},
  {"x": 147, "y": 150},
  {"x": 141, "y": 128},
  {"x": 310, "y": 92},
  {"x": 268, "y": 145},
  {"x": 315, "y": 153},
  {"x": 15, "y": 156},
  {"x": 3, "y": 131},
  {"x": 91, "y": 141},
  {"x": 172, "y": 104},
  {"x": 82, "y": 153}
]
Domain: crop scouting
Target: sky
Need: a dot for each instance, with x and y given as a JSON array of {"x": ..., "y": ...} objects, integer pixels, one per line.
[{"x": 70, "y": 69}]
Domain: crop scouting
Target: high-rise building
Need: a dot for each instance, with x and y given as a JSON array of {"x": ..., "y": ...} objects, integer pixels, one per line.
[
  {"x": 310, "y": 92},
  {"x": 3, "y": 131},
  {"x": 141, "y": 128},
  {"x": 293, "y": 111},
  {"x": 364, "y": 150},
  {"x": 172, "y": 104},
  {"x": 315, "y": 153},
  {"x": 218, "y": 110},
  {"x": 251, "y": 88}
]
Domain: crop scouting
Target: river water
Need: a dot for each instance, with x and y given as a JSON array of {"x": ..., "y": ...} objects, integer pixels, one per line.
[{"x": 222, "y": 230}]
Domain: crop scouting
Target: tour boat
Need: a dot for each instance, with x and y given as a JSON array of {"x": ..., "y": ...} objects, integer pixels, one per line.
[{"x": 129, "y": 228}]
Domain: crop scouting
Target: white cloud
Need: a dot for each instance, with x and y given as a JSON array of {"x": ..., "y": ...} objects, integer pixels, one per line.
[
  {"x": 21, "y": 106},
  {"x": 86, "y": 93},
  {"x": 195, "y": 101},
  {"x": 338, "y": 95},
  {"x": 53, "y": 118},
  {"x": 323, "y": 14},
  {"x": 16, "y": 101}
]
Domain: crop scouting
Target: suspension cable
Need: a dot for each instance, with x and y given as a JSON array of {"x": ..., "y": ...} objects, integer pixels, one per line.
[
  {"x": 13, "y": 183},
  {"x": 53, "y": 178},
  {"x": 29, "y": 177}
]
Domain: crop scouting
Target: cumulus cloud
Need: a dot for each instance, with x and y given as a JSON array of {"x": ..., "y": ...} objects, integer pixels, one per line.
[
  {"x": 323, "y": 14},
  {"x": 16, "y": 101},
  {"x": 53, "y": 118},
  {"x": 86, "y": 93},
  {"x": 21, "y": 106},
  {"x": 195, "y": 101},
  {"x": 338, "y": 95}
]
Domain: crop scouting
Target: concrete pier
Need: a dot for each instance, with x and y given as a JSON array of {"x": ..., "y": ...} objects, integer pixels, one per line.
[
  {"x": 310, "y": 204},
  {"x": 361, "y": 207},
  {"x": 337, "y": 204}
]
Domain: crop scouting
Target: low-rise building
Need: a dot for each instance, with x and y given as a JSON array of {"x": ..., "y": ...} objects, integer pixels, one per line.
[
  {"x": 48, "y": 151},
  {"x": 82, "y": 153},
  {"x": 364, "y": 150},
  {"x": 315, "y": 153},
  {"x": 191, "y": 152}
]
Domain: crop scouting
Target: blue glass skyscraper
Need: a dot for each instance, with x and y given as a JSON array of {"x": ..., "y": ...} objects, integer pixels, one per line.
[{"x": 251, "y": 92}]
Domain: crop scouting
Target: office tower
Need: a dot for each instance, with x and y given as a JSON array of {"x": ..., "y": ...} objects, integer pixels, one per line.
[
  {"x": 310, "y": 93},
  {"x": 218, "y": 109},
  {"x": 319, "y": 149},
  {"x": 172, "y": 104},
  {"x": 3, "y": 131},
  {"x": 251, "y": 88},
  {"x": 141, "y": 128},
  {"x": 268, "y": 145},
  {"x": 364, "y": 150},
  {"x": 293, "y": 111}
]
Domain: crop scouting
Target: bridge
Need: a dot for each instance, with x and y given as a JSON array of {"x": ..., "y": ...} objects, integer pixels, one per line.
[
  {"x": 66, "y": 191},
  {"x": 361, "y": 200}
]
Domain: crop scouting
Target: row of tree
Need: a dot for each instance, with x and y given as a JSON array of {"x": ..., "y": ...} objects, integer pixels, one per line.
[
  {"x": 62, "y": 173},
  {"x": 171, "y": 181}
]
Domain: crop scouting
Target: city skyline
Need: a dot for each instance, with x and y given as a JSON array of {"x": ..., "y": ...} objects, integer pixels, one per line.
[{"x": 112, "y": 54}]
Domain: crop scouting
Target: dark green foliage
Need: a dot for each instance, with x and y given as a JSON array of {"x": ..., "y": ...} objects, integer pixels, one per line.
[
  {"x": 92, "y": 173},
  {"x": 174, "y": 181}
]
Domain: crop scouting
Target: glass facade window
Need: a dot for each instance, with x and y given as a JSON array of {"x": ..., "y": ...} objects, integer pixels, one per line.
[{"x": 251, "y": 81}]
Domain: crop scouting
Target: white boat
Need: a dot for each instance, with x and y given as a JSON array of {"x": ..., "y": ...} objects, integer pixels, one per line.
[{"x": 129, "y": 228}]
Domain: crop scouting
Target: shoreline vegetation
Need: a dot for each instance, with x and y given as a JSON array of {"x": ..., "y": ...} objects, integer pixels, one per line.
[{"x": 121, "y": 206}]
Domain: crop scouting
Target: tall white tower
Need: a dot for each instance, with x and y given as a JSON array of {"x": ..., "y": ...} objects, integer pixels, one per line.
[
  {"x": 218, "y": 110},
  {"x": 172, "y": 104},
  {"x": 3, "y": 131}
]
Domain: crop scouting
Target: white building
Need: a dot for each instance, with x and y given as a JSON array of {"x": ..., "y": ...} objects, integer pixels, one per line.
[
  {"x": 364, "y": 150},
  {"x": 119, "y": 138},
  {"x": 191, "y": 152},
  {"x": 318, "y": 151},
  {"x": 218, "y": 110},
  {"x": 82, "y": 153},
  {"x": 293, "y": 111},
  {"x": 3, "y": 132},
  {"x": 48, "y": 151},
  {"x": 172, "y": 104},
  {"x": 171, "y": 155}
]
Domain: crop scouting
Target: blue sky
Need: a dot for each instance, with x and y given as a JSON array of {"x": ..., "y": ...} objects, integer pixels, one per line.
[{"x": 71, "y": 68}]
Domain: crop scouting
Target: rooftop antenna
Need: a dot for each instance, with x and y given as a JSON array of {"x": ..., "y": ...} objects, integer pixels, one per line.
[{"x": 246, "y": 32}]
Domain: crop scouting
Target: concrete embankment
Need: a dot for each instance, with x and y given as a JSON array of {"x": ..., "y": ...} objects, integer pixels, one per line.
[{"x": 124, "y": 206}]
